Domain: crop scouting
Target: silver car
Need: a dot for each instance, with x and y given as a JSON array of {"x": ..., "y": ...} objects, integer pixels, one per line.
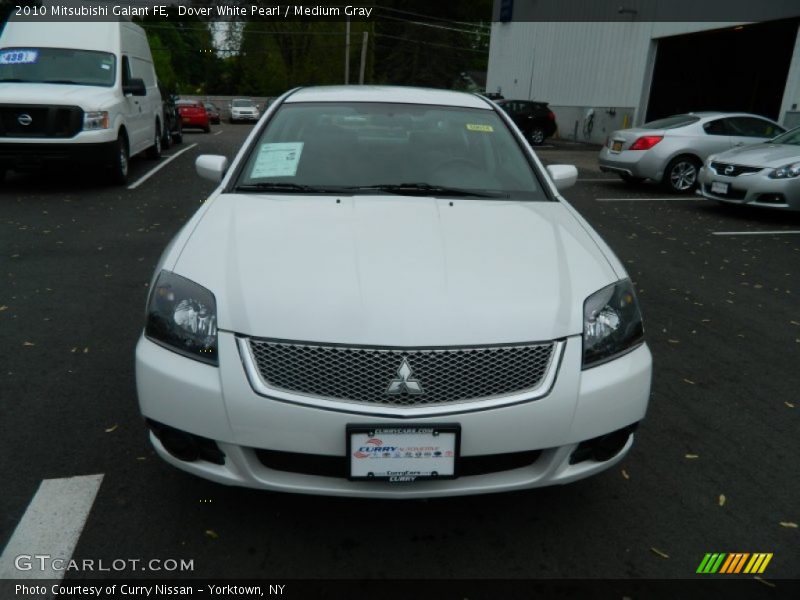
[
  {"x": 761, "y": 175},
  {"x": 671, "y": 151}
]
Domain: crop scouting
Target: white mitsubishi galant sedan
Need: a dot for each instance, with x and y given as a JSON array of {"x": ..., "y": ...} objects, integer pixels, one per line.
[{"x": 386, "y": 296}]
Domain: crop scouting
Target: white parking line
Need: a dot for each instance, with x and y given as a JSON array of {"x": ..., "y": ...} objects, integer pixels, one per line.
[
  {"x": 777, "y": 232},
  {"x": 51, "y": 526},
  {"x": 157, "y": 168},
  {"x": 218, "y": 132},
  {"x": 650, "y": 199}
]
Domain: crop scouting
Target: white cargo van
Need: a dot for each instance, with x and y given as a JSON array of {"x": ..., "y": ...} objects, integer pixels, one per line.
[{"x": 79, "y": 92}]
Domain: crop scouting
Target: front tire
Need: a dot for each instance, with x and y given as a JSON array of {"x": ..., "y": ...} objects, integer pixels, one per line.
[
  {"x": 118, "y": 172},
  {"x": 166, "y": 139},
  {"x": 154, "y": 151},
  {"x": 178, "y": 136},
  {"x": 680, "y": 176}
]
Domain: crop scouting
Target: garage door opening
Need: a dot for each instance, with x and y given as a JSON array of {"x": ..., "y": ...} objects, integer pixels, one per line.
[{"x": 735, "y": 69}]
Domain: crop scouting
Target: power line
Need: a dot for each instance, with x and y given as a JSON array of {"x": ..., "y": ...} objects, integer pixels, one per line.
[
  {"x": 414, "y": 14},
  {"x": 461, "y": 48}
]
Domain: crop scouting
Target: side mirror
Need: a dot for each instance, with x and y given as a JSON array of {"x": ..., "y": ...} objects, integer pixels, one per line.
[
  {"x": 564, "y": 176},
  {"x": 134, "y": 87},
  {"x": 211, "y": 167}
]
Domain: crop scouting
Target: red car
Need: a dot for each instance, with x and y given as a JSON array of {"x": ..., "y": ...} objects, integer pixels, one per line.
[{"x": 193, "y": 114}]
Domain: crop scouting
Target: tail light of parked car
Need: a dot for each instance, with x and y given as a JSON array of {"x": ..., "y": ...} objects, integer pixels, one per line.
[
  {"x": 646, "y": 142},
  {"x": 551, "y": 115}
]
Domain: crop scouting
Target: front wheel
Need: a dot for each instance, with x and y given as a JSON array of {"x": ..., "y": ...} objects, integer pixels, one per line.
[
  {"x": 154, "y": 151},
  {"x": 166, "y": 139},
  {"x": 680, "y": 176},
  {"x": 118, "y": 172},
  {"x": 536, "y": 136},
  {"x": 177, "y": 137}
]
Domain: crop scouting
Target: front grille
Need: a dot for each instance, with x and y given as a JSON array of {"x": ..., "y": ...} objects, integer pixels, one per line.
[
  {"x": 43, "y": 121},
  {"x": 366, "y": 374},
  {"x": 733, "y": 193},
  {"x": 735, "y": 170},
  {"x": 336, "y": 466}
]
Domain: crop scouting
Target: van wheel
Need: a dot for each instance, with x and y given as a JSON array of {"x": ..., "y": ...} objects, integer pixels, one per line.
[
  {"x": 154, "y": 151},
  {"x": 118, "y": 173}
]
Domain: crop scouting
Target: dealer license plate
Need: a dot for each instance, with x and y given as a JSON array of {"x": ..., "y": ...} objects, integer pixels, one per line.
[
  {"x": 403, "y": 453},
  {"x": 616, "y": 146},
  {"x": 718, "y": 187}
]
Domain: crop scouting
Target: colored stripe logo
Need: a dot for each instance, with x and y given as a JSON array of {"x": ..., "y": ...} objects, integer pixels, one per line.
[{"x": 734, "y": 563}]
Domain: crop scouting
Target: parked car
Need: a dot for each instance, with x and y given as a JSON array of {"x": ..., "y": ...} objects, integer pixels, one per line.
[
  {"x": 244, "y": 109},
  {"x": 535, "y": 119},
  {"x": 765, "y": 175},
  {"x": 82, "y": 93},
  {"x": 671, "y": 151},
  {"x": 444, "y": 324},
  {"x": 213, "y": 112},
  {"x": 194, "y": 115},
  {"x": 173, "y": 128}
]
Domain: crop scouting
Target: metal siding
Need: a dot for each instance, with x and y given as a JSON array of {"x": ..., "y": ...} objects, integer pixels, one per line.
[{"x": 570, "y": 64}]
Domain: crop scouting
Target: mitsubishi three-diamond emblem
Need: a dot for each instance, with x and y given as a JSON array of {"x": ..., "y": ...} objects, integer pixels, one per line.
[{"x": 404, "y": 382}]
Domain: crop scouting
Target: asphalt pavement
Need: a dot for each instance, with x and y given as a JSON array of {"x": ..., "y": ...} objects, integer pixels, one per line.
[{"x": 713, "y": 469}]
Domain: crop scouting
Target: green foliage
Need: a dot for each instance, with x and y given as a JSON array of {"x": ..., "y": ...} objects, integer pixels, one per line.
[{"x": 267, "y": 57}]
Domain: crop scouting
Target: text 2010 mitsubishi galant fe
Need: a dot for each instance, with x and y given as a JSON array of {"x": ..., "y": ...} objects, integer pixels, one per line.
[{"x": 386, "y": 296}]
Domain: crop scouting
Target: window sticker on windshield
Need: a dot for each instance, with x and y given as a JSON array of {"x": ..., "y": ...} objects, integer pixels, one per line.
[
  {"x": 18, "y": 57},
  {"x": 277, "y": 160},
  {"x": 476, "y": 127}
]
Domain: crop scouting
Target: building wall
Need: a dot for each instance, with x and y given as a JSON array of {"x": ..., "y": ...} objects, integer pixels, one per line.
[{"x": 577, "y": 66}]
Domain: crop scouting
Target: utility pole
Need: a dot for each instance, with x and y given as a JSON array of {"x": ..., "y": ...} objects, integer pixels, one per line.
[
  {"x": 347, "y": 52},
  {"x": 363, "y": 58}
]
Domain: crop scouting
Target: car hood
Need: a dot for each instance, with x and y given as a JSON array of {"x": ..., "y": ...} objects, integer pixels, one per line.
[
  {"x": 390, "y": 270},
  {"x": 88, "y": 97},
  {"x": 761, "y": 155}
]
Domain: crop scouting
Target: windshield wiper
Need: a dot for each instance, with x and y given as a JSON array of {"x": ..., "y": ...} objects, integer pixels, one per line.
[
  {"x": 427, "y": 189},
  {"x": 285, "y": 188}
]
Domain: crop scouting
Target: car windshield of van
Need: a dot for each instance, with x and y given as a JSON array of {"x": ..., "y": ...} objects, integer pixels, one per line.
[
  {"x": 383, "y": 148},
  {"x": 57, "y": 65}
]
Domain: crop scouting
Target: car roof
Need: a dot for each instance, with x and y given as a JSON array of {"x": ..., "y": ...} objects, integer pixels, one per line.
[
  {"x": 710, "y": 114},
  {"x": 385, "y": 93}
]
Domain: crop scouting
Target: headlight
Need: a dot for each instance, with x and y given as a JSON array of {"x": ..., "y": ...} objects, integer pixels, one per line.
[
  {"x": 612, "y": 323},
  {"x": 182, "y": 316},
  {"x": 95, "y": 120},
  {"x": 709, "y": 160},
  {"x": 786, "y": 171}
]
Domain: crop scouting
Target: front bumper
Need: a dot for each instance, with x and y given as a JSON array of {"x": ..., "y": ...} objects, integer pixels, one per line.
[
  {"x": 754, "y": 189},
  {"x": 645, "y": 164},
  {"x": 244, "y": 117},
  {"x": 220, "y": 405},
  {"x": 25, "y": 156}
]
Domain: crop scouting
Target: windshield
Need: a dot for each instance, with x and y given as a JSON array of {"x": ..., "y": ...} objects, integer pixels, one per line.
[
  {"x": 791, "y": 138},
  {"x": 243, "y": 103},
  {"x": 57, "y": 65},
  {"x": 391, "y": 148},
  {"x": 671, "y": 122}
]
